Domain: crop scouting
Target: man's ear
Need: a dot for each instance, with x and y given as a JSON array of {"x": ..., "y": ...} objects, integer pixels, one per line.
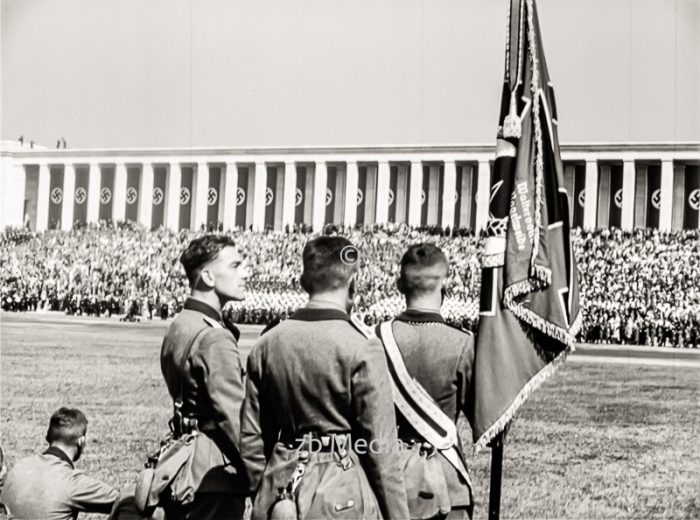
[
  {"x": 81, "y": 441},
  {"x": 207, "y": 277}
]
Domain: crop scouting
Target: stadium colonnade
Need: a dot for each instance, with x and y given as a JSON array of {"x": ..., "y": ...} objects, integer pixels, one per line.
[{"x": 654, "y": 185}]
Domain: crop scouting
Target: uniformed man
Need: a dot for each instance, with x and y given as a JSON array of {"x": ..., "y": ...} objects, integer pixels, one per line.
[
  {"x": 439, "y": 358},
  {"x": 316, "y": 398},
  {"x": 212, "y": 379},
  {"x": 48, "y": 486}
]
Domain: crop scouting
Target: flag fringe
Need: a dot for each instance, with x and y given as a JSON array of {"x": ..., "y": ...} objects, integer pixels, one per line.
[
  {"x": 567, "y": 337},
  {"x": 532, "y": 385},
  {"x": 539, "y": 161}
]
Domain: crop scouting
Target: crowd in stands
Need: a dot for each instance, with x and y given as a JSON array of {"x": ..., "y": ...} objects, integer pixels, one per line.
[{"x": 640, "y": 287}]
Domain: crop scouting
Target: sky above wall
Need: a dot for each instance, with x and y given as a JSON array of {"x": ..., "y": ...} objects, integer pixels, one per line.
[{"x": 171, "y": 73}]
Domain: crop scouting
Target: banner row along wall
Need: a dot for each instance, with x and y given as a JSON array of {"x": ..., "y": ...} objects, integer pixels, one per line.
[{"x": 42, "y": 189}]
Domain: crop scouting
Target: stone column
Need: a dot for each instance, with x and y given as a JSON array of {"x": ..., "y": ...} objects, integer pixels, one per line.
[
  {"x": 68, "y": 196},
  {"x": 590, "y": 195},
  {"x": 483, "y": 195},
  {"x": 230, "y": 194},
  {"x": 383, "y": 177},
  {"x": 172, "y": 209},
  {"x": 628, "y": 189},
  {"x": 201, "y": 195},
  {"x": 414, "y": 193},
  {"x": 119, "y": 202},
  {"x": 666, "y": 209},
  {"x": 351, "y": 184},
  {"x": 146, "y": 199},
  {"x": 12, "y": 190},
  {"x": 93, "y": 198},
  {"x": 678, "y": 196},
  {"x": 320, "y": 183},
  {"x": 289, "y": 194},
  {"x": 42, "y": 206},
  {"x": 449, "y": 195},
  {"x": 259, "y": 199}
]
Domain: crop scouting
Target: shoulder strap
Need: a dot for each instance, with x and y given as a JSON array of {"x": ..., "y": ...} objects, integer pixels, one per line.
[{"x": 418, "y": 407}]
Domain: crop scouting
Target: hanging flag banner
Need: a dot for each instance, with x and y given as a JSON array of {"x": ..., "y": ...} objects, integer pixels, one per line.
[
  {"x": 425, "y": 191},
  {"x": 439, "y": 194},
  {"x": 133, "y": 185},
  {"x": 160, "y": 179},
  {"x": 578, "y": 200},
  {"x": 529, "y": 312},
  {"x": 186, "y": 191},
  {"x": 271, "y": 197},
  {"x": 242, "y": 197},
  {"x": 361, "y": 194},
  {"x": 331, "y": 190},
  {"x": 55, "y": 196},
  {"x": 691, "y": 205},
  {"x": 106, "y": 192},
  {"x": 393, "y": 187},
  {"x": 299, "y": 195},
  {"x": 82, "y": 185},
  {"x": 213, "y": 197},
  {"x": 615, "y": 214},
  {"x": 653, "y": 195}
]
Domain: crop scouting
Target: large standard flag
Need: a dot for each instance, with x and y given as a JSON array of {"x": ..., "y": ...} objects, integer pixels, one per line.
[{"x": 529, "y": 312}]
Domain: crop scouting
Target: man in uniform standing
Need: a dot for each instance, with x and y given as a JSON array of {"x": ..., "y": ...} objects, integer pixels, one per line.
[
  {"x": 48, "y": 486},
  {"x": 212, "y": 379},
  {"x": 439, "y": 357},
  {"x": 317, "y": 400}
]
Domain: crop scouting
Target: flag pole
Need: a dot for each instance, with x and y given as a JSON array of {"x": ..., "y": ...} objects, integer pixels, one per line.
[{"x": 496, "y": 476}]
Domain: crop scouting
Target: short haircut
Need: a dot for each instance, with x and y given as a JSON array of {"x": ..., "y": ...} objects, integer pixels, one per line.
[
  {"x": 329, "y": 263},
  {"x": 200, "y": 251},
  {"x": 423, "y": 266},
  {"x": 66, "y": 425}
]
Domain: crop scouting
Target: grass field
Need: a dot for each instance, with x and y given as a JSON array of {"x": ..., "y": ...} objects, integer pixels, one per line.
[{"x": 596, "y": 441}]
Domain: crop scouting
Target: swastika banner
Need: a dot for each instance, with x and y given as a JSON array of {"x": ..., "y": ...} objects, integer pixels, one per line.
[
  {"x": 106, "y": 192},
  {"x": 133, "y": 185},
  {"x": 55, "y": 196},
  {"x": 214, "y": 197}
]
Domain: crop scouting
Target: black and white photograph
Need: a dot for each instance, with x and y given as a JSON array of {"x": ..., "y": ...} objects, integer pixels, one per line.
[{"x": 314, "y": 259}]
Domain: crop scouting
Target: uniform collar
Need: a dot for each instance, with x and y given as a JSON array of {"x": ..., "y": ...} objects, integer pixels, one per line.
[
  {"x": 420, "y": 316},
  {"x": 319, "y": 314},
  {"x": 58, "y": 452},
  {"x": 199, "y": 306},
  {"x": 210, "y": 312}
]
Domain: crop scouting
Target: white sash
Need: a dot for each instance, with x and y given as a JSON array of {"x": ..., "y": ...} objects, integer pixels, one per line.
[{"x": 419, "y": 408}]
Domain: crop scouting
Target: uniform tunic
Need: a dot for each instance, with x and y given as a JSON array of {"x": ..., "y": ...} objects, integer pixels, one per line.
[
  {"x": 213, "y": 393},
  {"x": 314, "y": 374},
  {"x": 48, "y": 486},
  {"x": 440, "y": 357}
]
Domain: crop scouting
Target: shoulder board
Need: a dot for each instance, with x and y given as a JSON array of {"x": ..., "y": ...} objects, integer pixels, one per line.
[
  {"x": 213, "y": 323},
  {"x": 461, "y": 329},
  {"x": 271, "y": 325},
  {"x": 360, "y": 326}
]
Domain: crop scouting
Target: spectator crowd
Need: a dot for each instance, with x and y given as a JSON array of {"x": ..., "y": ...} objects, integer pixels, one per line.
[{"x": 640, "y": 287}]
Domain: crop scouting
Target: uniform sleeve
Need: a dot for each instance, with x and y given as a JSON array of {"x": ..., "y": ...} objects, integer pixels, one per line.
[
  {"x": 373, "y": 405},
  {"x": 253, "y": 448},
  {"x": 465, "y": 366},
  {"x": 223, "y": 383},
  {"x": 91, "y": 495}
]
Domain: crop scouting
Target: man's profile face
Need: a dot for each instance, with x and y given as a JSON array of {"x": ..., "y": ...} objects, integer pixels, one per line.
[{"x": 229, "y": 271}]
